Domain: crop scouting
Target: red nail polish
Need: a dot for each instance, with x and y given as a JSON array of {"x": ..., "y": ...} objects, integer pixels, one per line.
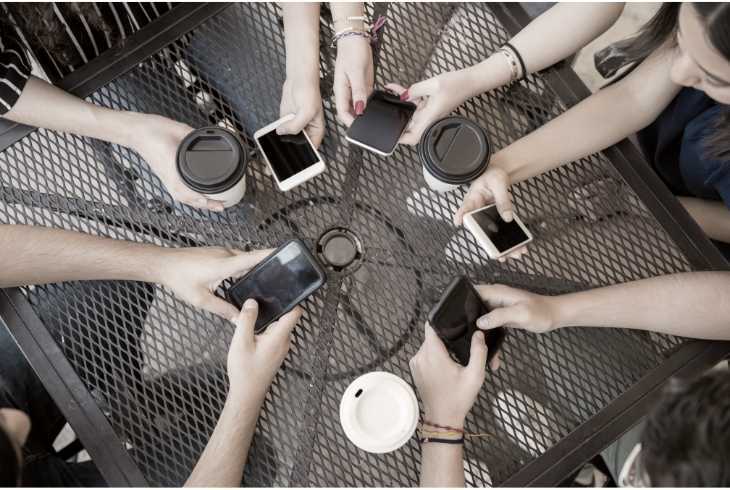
[
  {"x": 359, "y": 107},
  {"x": 405, "y": 95}
]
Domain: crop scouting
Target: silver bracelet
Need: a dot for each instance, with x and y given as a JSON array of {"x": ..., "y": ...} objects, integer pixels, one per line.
[
  {"x": 347, "y": 33},
  {"x": 514, "y": 65}
]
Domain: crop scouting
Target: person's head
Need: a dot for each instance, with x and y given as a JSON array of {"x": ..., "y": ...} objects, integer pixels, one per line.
[
  {"x": 699, "y": 35},
  {"x": 686, "y": 439},
  {"x": 703, "y": 49},
  {"x": 14, "y": 430}
]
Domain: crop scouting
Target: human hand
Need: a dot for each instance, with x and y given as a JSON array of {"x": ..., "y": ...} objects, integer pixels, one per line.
[
  {"x": 300, "y": 96},
  {"x": 156, "y": 139},
  {"x": 515, "y": 308},
  {"x": 253, "y": 360},
  {"x": 194, "y": 274},
  {"x": 491, "y": 187},
  {"x": 354, "y": 77},
  {"x": 447, "y": 389},
  {"x": 435, "y": 98}
]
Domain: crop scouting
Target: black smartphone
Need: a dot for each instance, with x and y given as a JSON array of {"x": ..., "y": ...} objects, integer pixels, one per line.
[
  {"x": 380, "y": 126},
  {"x": 280, "y": 282},
  {"x": 454, "y": 318}
]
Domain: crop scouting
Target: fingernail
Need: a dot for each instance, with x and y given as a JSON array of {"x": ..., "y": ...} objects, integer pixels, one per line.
[
  {"x": 508, "y": 216},
  {"x": 482, "y": 323},
  {"x": 405, "y": 95},
  {"x": 201, "y": 201},
  {"x": 250, "y": 304},
  {"x": 280, "y": 130},
  {"x": 480, "y": 335},
  {"x": 359, "y": 107}
]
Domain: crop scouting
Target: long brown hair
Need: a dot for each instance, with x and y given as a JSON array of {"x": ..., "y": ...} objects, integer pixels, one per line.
[{"x": 661, "y": 29}]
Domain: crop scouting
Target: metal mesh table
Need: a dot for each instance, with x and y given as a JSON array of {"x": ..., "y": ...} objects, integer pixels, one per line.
[{"x": 143, "y": 374}]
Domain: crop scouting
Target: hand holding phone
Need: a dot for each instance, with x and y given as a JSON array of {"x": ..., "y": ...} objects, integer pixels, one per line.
[
  {"x": 454, "y": 318},
  {"x": 279, "y": 282},
  {"x": 496, "y": 236},
  {"x": 292, "y": 158},
  {"x": 379, "y": 128}
]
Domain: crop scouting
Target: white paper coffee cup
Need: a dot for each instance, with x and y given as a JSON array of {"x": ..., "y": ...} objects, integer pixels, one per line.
[{"x": 379, "y": 412}]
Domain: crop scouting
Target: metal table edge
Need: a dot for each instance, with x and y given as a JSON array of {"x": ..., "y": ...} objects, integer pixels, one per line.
[
  {"x": 691, "y": 358},
  {"x": 68, "y": 391}
]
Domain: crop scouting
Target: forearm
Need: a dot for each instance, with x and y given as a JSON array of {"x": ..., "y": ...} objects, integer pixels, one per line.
[
  {"x": 224, "y": 457},
  {"x": 442, "y": 465},
  {"x": 45, "y": 106},
  {"x": 301, "y": 37},
  {"x": 37, "y": 255},
  {"x": 584, "y": 22},
  {"x": 342, "y": 11},
  {"x": 594, "y": 124},
  {"x": 693, "y": 304},
  {"x": 712, "y": 216}
]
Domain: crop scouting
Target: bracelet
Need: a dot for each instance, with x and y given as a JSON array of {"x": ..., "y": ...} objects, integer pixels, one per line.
[
  {"x": 512, "y": 62},
  {"x": 446, "y": 427},
  {"x": 523, "y": 72},
  {"x": 424, "y": 440},
  {"x": 347, "y": 33}
]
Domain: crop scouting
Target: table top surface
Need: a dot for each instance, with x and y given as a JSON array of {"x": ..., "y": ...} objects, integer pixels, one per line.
[{"x": 156, "y": 366}]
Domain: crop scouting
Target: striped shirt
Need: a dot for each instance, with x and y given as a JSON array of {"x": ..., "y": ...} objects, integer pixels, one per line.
[{"x": 14, "y": 73}]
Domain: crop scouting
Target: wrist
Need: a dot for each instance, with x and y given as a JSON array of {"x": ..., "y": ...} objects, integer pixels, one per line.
[
  {"x": 445, "y": 417},
  {"x": 115, "y": 126},
  {"x": 244, "y": 397},
  {"x": 562, "y": 310},
  {"x": 489, "y": 74}
]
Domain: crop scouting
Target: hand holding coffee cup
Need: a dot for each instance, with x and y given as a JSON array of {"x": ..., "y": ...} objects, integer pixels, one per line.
[
  {"x": 212, "y": 161},
  {"x": 454, "y": 151}
]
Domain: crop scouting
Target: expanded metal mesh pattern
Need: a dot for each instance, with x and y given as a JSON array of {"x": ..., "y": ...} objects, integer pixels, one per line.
[{"x": 156, "y": 366}]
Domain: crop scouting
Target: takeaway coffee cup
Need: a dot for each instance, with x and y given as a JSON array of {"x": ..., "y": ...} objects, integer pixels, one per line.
[
  {"x": 454, "y": 151},
  {"x": 213, "y": 161},
  {"x": 379, "y": 412}
]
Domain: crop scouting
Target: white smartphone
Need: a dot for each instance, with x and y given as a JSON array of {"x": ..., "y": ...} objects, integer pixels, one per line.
[
  {"x": 291, "y": 158},
  {"x": 496, "y": 236}
]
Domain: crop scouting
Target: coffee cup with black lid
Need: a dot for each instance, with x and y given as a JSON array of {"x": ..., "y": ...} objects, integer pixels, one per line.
[
  {"x": 454, "y": 151},
  {"x": 213, "y": 161}
]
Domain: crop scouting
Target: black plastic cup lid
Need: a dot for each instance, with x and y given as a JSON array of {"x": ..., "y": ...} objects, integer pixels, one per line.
[
  {"x": 211, "y": 160},
  {"x": 455, "y": 150}
]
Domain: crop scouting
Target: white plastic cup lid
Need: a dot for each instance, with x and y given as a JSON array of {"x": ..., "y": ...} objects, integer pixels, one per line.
[{"x": 379, "y": 412}]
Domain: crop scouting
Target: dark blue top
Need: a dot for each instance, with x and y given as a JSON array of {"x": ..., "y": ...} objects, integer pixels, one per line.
[{"x": 674, "y": 146}]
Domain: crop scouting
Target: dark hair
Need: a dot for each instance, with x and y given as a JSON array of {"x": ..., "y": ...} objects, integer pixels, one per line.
[
  {"x": 9, "y": 463},
  {"x": 44, "y": 30},
  {"x": 662, "y": 29},
  {"x": 686, "y": 440}
]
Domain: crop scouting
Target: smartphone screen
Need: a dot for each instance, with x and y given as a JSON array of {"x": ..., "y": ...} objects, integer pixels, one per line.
[
  {"x": 279, "y": 283},
  {"x": 455, "y": 320},
  {"x": 503, "y": 235},
  {"x": 384, "y": 120},
  {"x": 288, "y": 154}
]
